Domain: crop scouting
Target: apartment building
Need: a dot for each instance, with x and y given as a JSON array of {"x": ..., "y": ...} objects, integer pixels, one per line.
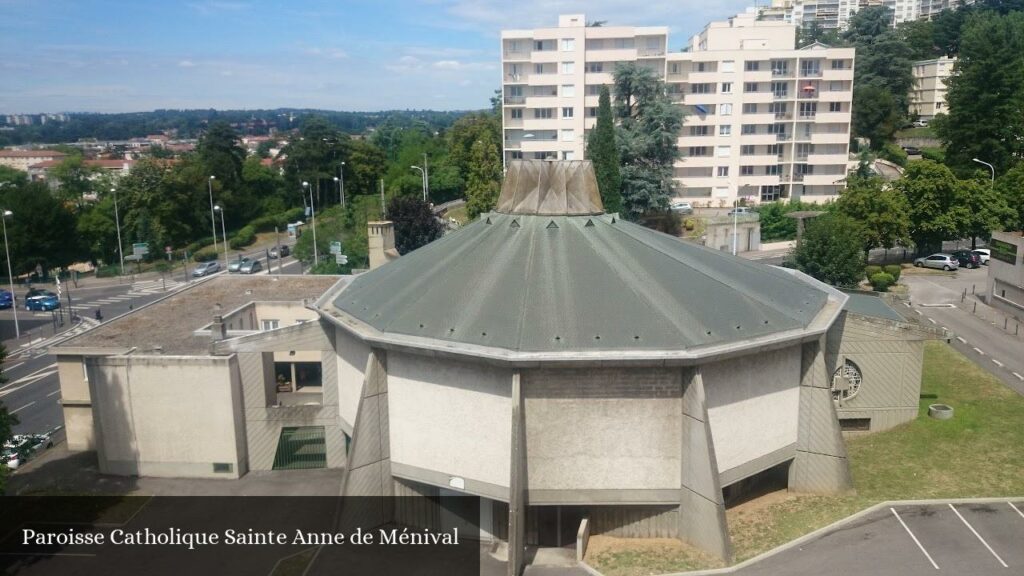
[
  {"x": 764, "y": 120},
  {"x": 552, "y": 78},
  {"x": 836, "y": 14},
  {"x": 928, "y": 96}
]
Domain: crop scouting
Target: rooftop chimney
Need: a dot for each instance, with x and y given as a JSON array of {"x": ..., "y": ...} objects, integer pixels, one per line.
[
  {"x": 381, "y": 243},
  {"x": 218, "y": 330}
]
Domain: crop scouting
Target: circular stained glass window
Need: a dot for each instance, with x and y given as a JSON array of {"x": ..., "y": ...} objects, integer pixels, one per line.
[{"x": 846, "y": 381}]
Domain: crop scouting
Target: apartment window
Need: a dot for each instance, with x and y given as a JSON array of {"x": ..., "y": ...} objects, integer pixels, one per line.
[
  {"x": 538, "y": 44},
  {"x": 775, "y": 149},
  {"x": 780, "y": 88},
  {"x": 752, "y": 66},
  {"x": 747, "y": 150},
  {"x": 700, "y": 66},
  {"x": 544, "y": 155},
  {"x": 568, "y": 90},
  {"x": 592, "y": 112},
  {"x": 777, "y": 108},
  {"x": 726, "y": 87},
  {"x": 835, "y": 106},
  {"x": 568, "y": 44},
  {"x": 698, "y": 130},
  {"x": 595, "y": 67},
  {"x": 543, "y": 113},
  {"x": 698, "y": 151},
  {"x": 839, "y": 64},
  {"x": 593, "y": 90},
  {"x": 776, "y": 128},
  {"x": 748, "y": 129},
  {"x": 700, "y": 89},
  {"x": 725, "y": 109},
  {"x": 780, "y": 67},
  {"x": 723, "y": 171},
  {"x": 270, "y": 324},
  {"x": 623, "y": 43},
  {"x": 516, "y": 113},
  {"x": 675, "y": 68},
  {"x": 810, "y": 68},
  {"x": 568, "y": 135},
  {"x": 728, "y": 66},
  {"x": 568, "y": 67},
  {"x": 722, "y": 151},
  {"x": 568, "y": 155},
  {"x": 750, "y": 87},
  {"x": 835, "y": 86},
  {"x": 770, "y": 193},
  {"x": 567, "y": 112},
  {"x": 808, "y": 109},
  {"x": 517, "y": 155},
  {"x": 746, "y": 170},
  {"x": 750, "y": 108},
  {"x": 725, "y": 130},
  {"x": 538, "y": 68},
  {"x": 772, "y": 170}
]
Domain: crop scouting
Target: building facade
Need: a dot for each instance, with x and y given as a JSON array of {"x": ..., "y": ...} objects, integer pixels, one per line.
[
  {"x": 764, "y": 120},
  {"x": 928, "y": 96},
  {"x": 836, "y": 14},
  {"x": 23, "y": 159},
  {"x": 1006, "y": 273}
]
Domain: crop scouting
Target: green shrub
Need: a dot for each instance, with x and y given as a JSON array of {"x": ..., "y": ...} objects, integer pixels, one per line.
[
  {"x": 199, "y": 245},
  {"x": 894, "y": 271},
  {"x": 893, "y": 153},
  {"x": 244, "y": 237},
  {"x": 934, "y": 154},
  {"x": 870, "y": 271},
  {"x": 205, "y": 255},
  {"x": 880, "y": 282}
]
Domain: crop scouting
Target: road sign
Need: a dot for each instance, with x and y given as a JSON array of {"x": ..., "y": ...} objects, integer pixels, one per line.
[
  {"x": 140, "y": 249},
  {"x": 58, "y": 287},
  {"x": 341, "y": 258},
  {"x": 335, "y": 247}
]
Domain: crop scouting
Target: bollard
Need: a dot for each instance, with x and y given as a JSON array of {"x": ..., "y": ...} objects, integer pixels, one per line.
[
  {"x": 972, "y": 288},
  {"x": 1006, "y": 322},
  {"x": 975, "y": 310}
]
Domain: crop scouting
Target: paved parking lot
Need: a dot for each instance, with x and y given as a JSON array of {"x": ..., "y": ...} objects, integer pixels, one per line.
[{"x": 912, "y": 540}]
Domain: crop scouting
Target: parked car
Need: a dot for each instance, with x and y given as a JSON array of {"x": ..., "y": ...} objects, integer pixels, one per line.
[
  {"x": 285, "y": 251},
  {"x": 44, "y": 300},
  {"x": 740, "y": 210},
  {"x": 21, "y": 447},
  {"x": 206, "y": 268},
  {"x": 237, "y": 264},
  {"x": 681, "y": 207},
  {"x": 920, "y": 123},
  {"x": 912, "y": 151},
  {"x": 6, "y": 299},
  {"x": 250, "y": 267},
  {"x": 941, "y": 261},
  {"x": 983, "y": 253},
  {"x": 967, "y": 259}
]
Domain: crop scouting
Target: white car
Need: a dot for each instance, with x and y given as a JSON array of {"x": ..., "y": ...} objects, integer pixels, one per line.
[
  {"x": 983, "y": 253},
  {"x": 681, "y": 207},
  {"x": 941, "y": 261},
  {"x": 740, "y": 210}
]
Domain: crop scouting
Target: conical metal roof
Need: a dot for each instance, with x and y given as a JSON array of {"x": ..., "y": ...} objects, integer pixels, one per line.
[{"x": 550, "y": 188}]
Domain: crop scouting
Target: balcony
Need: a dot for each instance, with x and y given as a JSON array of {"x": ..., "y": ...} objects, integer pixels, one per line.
[
  {"x": 810, "y": 73},
  {"x": 516, "y": 55},
  {"x": 515, "y": 100},
  {"x": 515, "y": 78},
  {"x": 780, "y": 95},
  {"x": 783, "y": 115},
  {"x": 513, "y": 123},
  {"x": 782, "y": 73},
  {"x": 649, "y": 52},
  {"x": 808, "y": 115},
  {"x": 782, "y": 137},
  {"x": 809, "y": 95}
]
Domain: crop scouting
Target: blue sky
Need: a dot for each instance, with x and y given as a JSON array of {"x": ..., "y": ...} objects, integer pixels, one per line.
[{"x": 136, "y": 55}]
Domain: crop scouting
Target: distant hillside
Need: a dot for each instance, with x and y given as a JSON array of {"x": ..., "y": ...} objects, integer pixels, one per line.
[{"x": 190, "y": 123}]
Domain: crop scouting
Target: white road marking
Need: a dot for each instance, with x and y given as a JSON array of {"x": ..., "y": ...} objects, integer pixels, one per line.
[
  {"x": 57, "y": 391},
  {"x": 916, "y": 541},
  {"x": 1019, "y": 377},
  {"x": 978, "y": 350},
  {"x": 1016, "y": 509},
  {"x": 997, "y": 362},
  {"x": 9, "y": 368},
  {"x": 120, "y": 298},
  {"x": 966, "y": 523},
  {"x": 932, "y": 321},
  {"x": 918, "y": 312},
  {"x": 23, "y": 407},
  {"x": 962, "y": 341}
]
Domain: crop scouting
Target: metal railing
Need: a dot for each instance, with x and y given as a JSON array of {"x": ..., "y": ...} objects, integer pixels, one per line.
[
  {"x": 515, "y": 99},
  {"x": 650, "y": 52}
]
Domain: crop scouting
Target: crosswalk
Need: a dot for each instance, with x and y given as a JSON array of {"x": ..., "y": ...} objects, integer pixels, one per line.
[{"x": 138, "y": 289}]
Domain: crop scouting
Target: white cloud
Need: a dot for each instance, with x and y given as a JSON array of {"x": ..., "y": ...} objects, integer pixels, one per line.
[
  {"x": 448, "y": 65},
  {"x": 186, "y": 64}
]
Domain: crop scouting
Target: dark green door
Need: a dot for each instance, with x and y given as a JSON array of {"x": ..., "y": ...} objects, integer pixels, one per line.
[{"x": 301, "y": 447}]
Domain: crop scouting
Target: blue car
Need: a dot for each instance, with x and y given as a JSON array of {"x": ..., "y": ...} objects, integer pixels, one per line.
[
  {"x": 43, "y": 300},
  {"x": 6, "y": 300}
]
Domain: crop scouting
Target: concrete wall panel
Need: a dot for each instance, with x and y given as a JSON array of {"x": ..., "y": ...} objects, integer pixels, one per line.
[{"x": 352, "y": 354}]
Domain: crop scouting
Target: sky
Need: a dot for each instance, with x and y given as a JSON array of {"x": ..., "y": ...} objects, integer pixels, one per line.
[{"x": 360, "y": 55}]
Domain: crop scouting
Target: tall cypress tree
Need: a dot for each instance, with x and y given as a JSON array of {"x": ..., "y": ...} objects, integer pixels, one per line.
[{"x": 603, "y": 152}]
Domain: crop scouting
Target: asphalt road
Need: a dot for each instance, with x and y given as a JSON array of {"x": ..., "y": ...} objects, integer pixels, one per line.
[
  {"x": 912, "y": 540},
  {"x": 978, "y": 330},
  {"x": 32, "y": 389}
]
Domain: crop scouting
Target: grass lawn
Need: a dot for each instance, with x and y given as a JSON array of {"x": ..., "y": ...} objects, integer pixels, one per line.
[
  {"x": 978, "y": 453},
  {"x": 918, "y": 132},
  {"x": 458, "y": 214}
]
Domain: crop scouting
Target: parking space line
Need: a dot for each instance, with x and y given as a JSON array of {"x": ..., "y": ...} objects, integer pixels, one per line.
[
  {"x": 1016, "y": 509},
  {"x": 23, "y": 407},
  {"x": 979, "y": 351},
  {"x": 975, "y": 532},
  {"x": 57, "y": 391},
  {"x": 1018, "y": 376},
  {"x": 997, "y": 362},
  {"x": 932, "y": 320},
  {"x": 916, "y": 541},
  {"x": 962, "y": 341}
]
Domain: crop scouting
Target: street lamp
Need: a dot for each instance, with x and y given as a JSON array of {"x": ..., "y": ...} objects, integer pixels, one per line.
[
  {"x": 990, "y": 167},
  {"x": 117, "y": 221},
  {"x": 312, "y": 215},
  {"x": 423, "y": 180},
  {"x": 341, "y": 177},
  {"x": 213, "y": 217},
  {"x": 223, "y": 234},
  {"x": 426, "y": 177},
  {"x": 10, "y": 275}
]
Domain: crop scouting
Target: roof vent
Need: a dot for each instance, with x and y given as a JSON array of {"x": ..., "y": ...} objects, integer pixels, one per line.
[
  {"x": 515, "y": 224},
  {"x": 488, "y": 221},
  {"x": 589, "y": 224},
  {"x": 613, "y": 220},
  {"x": 551, "y": 225}
]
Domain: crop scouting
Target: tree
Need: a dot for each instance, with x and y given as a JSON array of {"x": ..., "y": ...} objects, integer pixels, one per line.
[
  {"x": 415, "y": 223},
  {"x": 264, "y": 148},
  {"x": 7, "y": 421},
  {"x": 831, "y": 250},
  {"x": 985, "y": 95},
  {"x": 464, "y": 134},
  {"x": 220, "y": 153},
  {"x": 604, "y": 154},
  {"x": 881, "y": 210},
  {"x": 647, "y": 133},
  {"x": 878, "y": 116},
  {"x": 987, "y": 210},
  {"x": 936, "y": 210},
  {"x": 41, "y": 230},
  {"x": 919, "y": 36},
  {"x": 75, "y": 180},
  {"x": 482, "y": 182},
  {"x": 1011, "y": 187}
]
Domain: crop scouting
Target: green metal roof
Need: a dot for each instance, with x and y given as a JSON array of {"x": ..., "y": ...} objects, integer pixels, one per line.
[
  {"x": 869, "y": 305},
  {"x": 535, "y": 283}
]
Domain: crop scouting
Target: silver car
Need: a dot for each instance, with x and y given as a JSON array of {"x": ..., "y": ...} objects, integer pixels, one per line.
[
  {"x": 681, "y": 207},
  {"x": 206, "y": 268},
  {"x": 940, "y": 261},
  {"x": 250, "y": 267},
  {"x": 236, "y": 265}
]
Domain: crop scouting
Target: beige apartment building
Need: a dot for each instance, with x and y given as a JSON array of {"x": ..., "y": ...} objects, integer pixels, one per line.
[
  {"x": 764, "y": 120},
  {"x": 928, "y": 96},
  {"x": 22, "y": 159}
]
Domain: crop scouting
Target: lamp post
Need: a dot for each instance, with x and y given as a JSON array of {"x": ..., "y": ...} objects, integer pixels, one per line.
[
  {"x": 223, "y": 234},
  {"x": 10, "y": 275},
  {"x": 423, "y": 180},
  {"x": 990, "y": 167},
  {"x": 213, "y": 217},
  {"x": 341, "y": 177},
  {"x": 426, "y": 177},
  {"x": 312, "y": 215},
  {"x": 117, "y": 222}
]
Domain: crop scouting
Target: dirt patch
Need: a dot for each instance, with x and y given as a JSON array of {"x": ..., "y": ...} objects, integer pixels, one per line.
[{"x": 645, "y": 556}]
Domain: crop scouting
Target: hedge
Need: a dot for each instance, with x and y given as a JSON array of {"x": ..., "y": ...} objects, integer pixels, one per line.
[
  {"x": 244, "y": 237},
  {"x": 894, "y": 271},
  {"x": 870, "y": 271},
  {"x": 880, "y": 282}
]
